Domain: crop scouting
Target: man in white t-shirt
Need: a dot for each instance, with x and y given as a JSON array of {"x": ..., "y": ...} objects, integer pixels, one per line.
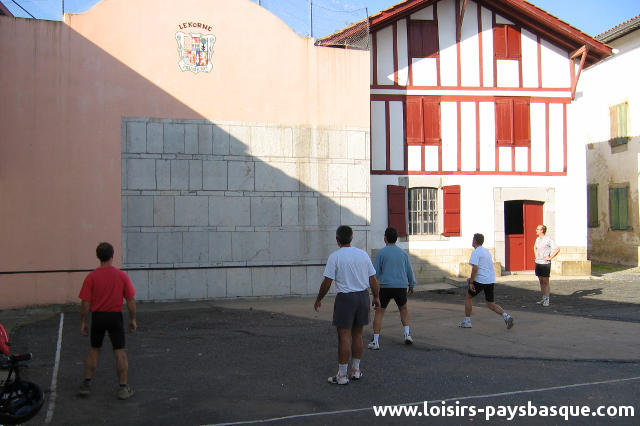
[
  {"x": 353, "y": 273},
  {"x": 482, "y": 278},
  {"x": 544, "y": 249}
]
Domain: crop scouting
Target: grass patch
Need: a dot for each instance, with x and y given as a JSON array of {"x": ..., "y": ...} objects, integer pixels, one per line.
[{"x": 605, "y": 268}]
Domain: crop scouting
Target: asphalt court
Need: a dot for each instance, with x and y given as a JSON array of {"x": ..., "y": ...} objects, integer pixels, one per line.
[{"x": 247, "y": 361}]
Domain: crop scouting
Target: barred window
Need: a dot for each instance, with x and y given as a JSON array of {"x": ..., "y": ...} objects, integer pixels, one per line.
[{"x": 423, "y": 211}]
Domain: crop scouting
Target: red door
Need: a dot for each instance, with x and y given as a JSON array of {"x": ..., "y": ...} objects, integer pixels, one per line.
[{"x": 519, "y": 246}]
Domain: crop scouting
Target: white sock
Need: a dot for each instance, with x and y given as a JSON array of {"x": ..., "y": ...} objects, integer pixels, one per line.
[
  {"x": 546, "y": 297},
  {"x": 342, "y": 369},
  {"x": 355, "y": 364},
  {"x": 376, "y": 337},
  {"x": 467, "y": 320},
  {"x": 406, "y": 330}
]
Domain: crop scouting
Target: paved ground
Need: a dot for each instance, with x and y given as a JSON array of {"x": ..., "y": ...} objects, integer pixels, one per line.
[{"x": 250, "y": 360}]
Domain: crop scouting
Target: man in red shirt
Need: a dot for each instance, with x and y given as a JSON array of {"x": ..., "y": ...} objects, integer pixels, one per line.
[{"x": 102, "y": 293}]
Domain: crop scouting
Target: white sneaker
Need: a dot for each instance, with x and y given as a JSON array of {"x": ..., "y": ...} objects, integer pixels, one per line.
[
  {"x": 373, "y": 345},
  {"x": 356, "y": 374},
  {"x": 408, "y": 339},
  {"x": 508, "y": 322},
  {"x": 545, "y": 302},
  {"x": 464, "y": 324},
  {"x": 338, "y": 380}
]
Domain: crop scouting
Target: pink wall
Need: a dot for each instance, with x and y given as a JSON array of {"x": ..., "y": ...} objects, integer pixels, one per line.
[{"x": 66, "y": 86}]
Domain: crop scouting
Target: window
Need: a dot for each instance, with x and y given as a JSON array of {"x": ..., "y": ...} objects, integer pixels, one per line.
[
  {"x": 423, "y": 39},
  {"x": 513, "y": 122},
  {"x": 618, "y": 208},
  {"x": 592, "y": 205},
  {"x": 506, "y": 42},
  {"x": 423, "y": 211},
  {"x": 423, "y": 120},
  {"x": 619, "y": 120}
]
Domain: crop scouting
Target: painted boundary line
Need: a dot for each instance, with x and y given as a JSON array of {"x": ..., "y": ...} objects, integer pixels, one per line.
[
  {"x": 54, "y": 376},
  {"x": 461, "y": 398}
]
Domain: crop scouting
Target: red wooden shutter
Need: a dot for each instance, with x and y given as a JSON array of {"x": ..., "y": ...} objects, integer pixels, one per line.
[
  {"x": 414, "y": 119},
  {"x": 396, "y": 207},
  {"x": 451, "y": 202},
  {"x": 500, "y": 41},
  {"x": 521, "y": 122},
  {"x": 430, "y": 45},
  {"x": 415, "y": 39},
  {"x": 504, "y": 121},
  {"x": 431, "y": 114},
  {"x": 513, "y": 42}
]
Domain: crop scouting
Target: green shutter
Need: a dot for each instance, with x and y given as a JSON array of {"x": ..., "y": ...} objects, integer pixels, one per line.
[
  {"x": 592, "y": 203},
  {"x": 618, "y": 208}
]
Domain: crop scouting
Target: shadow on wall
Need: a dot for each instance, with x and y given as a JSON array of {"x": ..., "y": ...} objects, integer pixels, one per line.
[{"x": 613, "y": 203}]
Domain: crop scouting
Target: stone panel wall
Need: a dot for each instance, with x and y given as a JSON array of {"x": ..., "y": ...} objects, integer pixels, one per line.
[{"x": 214, "y": 209}]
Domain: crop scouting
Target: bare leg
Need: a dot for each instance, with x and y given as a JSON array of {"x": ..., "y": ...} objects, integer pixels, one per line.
[
  {"x": 545, "y": 288},
  {"x": 468, "y": 305},
  {"x": 122, "y": 365},
  {"x": 377, "y": 320},
  {"x": 495, "y": 308},
  {"x": 344, "y": 344},
  {"x": 357, "y": 346},
  {"x": 91, "y": 362},
  {"x": 404, "y": 315}
]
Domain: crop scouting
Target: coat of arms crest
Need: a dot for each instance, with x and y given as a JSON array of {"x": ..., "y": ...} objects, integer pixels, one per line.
[{"x": 195, "y": 51}]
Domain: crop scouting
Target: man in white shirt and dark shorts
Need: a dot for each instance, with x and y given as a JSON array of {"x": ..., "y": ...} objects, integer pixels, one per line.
[
  {"x": 353, "y": 273},
  {"x": 544, "y": 249}
]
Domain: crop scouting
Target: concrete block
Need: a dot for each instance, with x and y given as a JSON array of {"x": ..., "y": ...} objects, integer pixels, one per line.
[
  {"x": 286, "y": 246},
  {"x": 276, "y": 176},
  {"x": 328, "y": 211},
  {"x": 139, "y": 211},
  {"x": 337, "y": 144},
  {"x": 191, "y": 138},
  {"x": 163, "y": 174},
  {"x": 302, "y": 142},
  {"x": 266, "y": 211},
  {"x": 239, "y": 282},
  {"x": 162, "y": 285},
  {"x": 141, "y": 174},
  {"x": 219, "y": 246},
  {"x": 191, "y": 284},
  {"x": 464, "y": 269},
  {"x": 239, "y": 140},
  {"x": 195, "y": 247},
  {"x": 214, "y": 175},
  {"x": 141, "y": 248},
  {"x": 180, "y": 174},
  {"x": 356, "y": 145},
  {"x": 136, "y": 137},
  {"x": 216, "y": 283},
  {"x": 353, "y": 211},
  {"x": 250, "y": 246},
  {"x": 319, "y": 143},
  {"x": 140, "y": 281},
  {"x": 308, "y": 208},
  {"x": 314, "y": 279},
  {"x": 195, "y": 175},
  {"x": 271, "y": 281},
  {"x": 358, "y": 178},
  {"x": 241, "y": 175},
  {"x": 229, "y": 211},
  {"x": 155, "y": 138},
  {"x": 173, "y": 138},
  {"x": 192, "y": 211},
  {"x": 299, "y": 280},
  {"x": 318, "y": 245},
  {"x": 287, "y": 142},
  {"x": 169, "y": 247},
  {"x": 163, "y": 211},
  {"x": 267, "y": 141},
  {"x": 573, "y": 267},
  {"x": 290, "y": 211},
  {"x": 205, "y": 139},
  {"x": 338, "y": 175}
]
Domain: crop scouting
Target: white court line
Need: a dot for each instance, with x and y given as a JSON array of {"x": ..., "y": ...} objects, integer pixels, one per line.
[
  {"x": 54, "y": 376},
  {"x": 461, "y": 398}
]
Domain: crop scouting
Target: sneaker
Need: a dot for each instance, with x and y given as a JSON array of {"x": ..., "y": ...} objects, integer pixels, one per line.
[
  {"x": 509, "y": 322},
  {"x": 125, "y": 392},
  {"x": 373, "y": 345},
  {"x": 540, "y": 302},
  {"x": 464, "y": 324},
  {"x": 408, "y": 339},
  {"x": 339, "y": 380},
  {"x": 84, "y": 389},
  {"x": 545, "y": 302},
  {"x": 355, "y": 375}
]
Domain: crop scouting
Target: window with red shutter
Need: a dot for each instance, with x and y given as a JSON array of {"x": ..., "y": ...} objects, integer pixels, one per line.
[
  {"x": 414, "y": 119},
  {"x": 451, "y": 204},
  {"x": 506, "y": 42},
  {"x": 504, "y": 121},
  {"x": 431, "y": 115},
  {"x": 423, "y": 39},
  {"x": 513, "y": 122},
  {"x": 396, "y": 208},
  {"x": 514, "y": 50},
  {"x": 521, "y": 122}
]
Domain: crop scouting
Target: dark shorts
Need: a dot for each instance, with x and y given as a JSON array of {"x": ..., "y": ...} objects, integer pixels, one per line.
[
  {"x": 399, "y": 295},
  {"x": 543, "y": 270},
  {"x": 487, "y": 288},
  {"x": 102, "y": 322},
  {"x": 351, "y": 309}
]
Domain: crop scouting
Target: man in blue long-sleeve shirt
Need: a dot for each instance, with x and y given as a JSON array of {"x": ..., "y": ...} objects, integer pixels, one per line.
[{"x": 394, "y": 274}]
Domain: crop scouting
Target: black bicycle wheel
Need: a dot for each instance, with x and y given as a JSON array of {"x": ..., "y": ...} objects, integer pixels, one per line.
[{"x": 19, "y": 402}]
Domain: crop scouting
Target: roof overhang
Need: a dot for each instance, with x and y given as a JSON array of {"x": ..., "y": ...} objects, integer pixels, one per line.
[{"x": 4, "y": 10}]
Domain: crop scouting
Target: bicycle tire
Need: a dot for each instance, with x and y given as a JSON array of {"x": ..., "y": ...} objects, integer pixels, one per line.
[{"x": 19, "y": 402}]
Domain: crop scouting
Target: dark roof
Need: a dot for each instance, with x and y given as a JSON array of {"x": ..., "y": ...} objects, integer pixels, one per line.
[
  {"x": 4, "y": 10},
  {"x": 519, "y": 11},
  {"x": 619, "y": 30}
]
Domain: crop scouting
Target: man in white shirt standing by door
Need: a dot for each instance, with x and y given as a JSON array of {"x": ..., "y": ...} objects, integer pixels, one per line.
[{"x": 544, "y": 249}]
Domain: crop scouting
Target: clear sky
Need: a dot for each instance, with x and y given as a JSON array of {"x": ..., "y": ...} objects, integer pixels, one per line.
[{"x": 591, "y": 16}]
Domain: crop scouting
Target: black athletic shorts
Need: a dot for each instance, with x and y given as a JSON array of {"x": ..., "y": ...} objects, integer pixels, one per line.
[
  {"x": 399, "y": 295},
  {"x": 102, "y": 322},
  {"x": 351, "y": 309},
  {"x": 487, "y": 288},
  {"x": 543, "y": 270}
]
